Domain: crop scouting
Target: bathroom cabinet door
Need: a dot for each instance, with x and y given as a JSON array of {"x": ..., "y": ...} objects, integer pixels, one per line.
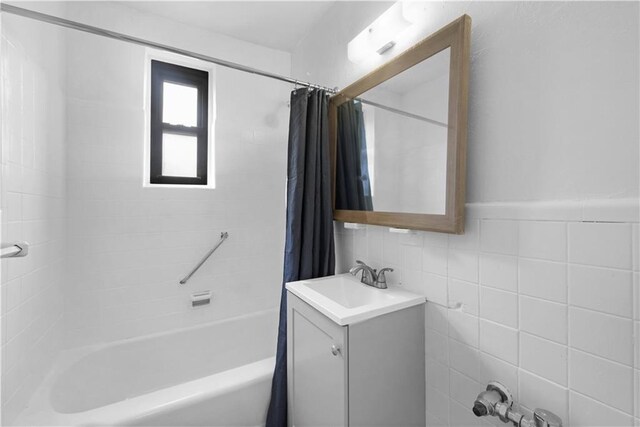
[{"x": 317, "y": 368}]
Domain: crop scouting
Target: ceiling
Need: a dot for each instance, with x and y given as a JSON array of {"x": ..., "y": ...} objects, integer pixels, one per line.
[{"x": 276, "y": 24}]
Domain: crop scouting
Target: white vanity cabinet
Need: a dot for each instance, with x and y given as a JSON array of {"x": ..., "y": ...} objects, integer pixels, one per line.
[{"x": 366, "y": 373}]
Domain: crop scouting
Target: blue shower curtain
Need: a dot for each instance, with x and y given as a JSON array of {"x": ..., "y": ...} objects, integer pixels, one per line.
[
  {"x": 353, "y": 184},
  {"x": 309, "y": 247}
]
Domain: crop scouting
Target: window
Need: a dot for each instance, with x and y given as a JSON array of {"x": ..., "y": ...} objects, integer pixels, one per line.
[{"x": 179, "y": 129}]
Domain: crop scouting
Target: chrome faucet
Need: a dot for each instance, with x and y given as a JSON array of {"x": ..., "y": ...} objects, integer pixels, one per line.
[{"x": 371, "y": 276}]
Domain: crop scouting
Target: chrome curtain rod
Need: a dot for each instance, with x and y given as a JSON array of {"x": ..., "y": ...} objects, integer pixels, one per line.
[
  {"x": 74, "y": 25},
  {"x": 403, "y": 113},
  {"x": 50, "y": 19}
]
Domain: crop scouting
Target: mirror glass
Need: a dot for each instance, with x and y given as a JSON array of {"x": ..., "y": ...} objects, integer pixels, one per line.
[{"x": 392, "y": 143}]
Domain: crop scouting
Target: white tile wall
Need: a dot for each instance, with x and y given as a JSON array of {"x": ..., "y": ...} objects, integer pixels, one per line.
[
  {"x": 463, "y": 265},
  {"x": 493, "y": 367},
  {"x": 601, "y": 244},
  {"x": 464, "y": 359},
  {"x": 543, "y": 240},
  {"x": 635, "y": 252},
  {"x": 462, "y": 387},
  {"x": 543, "y": 279},
  {"x": 592, "y": 413},
  {"x": 72, "y": 125},
  {"x": 465, "y": 293},
  {"x": 437, "y": 403},
  {"x": 499, "y": 341},
  {"x": 602, "y": 379},
  {"x": 436, "y": 346},
  {"x": 541, "y": 393},
  {"x": 554, "y": 363},
  {"x": 434, "y": 286},
  {"x": 434, "y": 258},
  {"x": 544, "y": 319},
  {"x": 499, "y": 271},
  {"x": 499, "y": 306},
  {"x": 602, "y": 289},
  {"x": 463, "y": 327},
  {"x": 637, "y": 391},
  {"x": 470, "y": 240},
  {"x": 131, "y": 245},
  {"x": 602, "y": 334},
  {"x": 33, "y": 209},
  {"x": 499, "y": 236},
  {"x": 545, "y": 309},
  {"x": 438, "y": 375}
]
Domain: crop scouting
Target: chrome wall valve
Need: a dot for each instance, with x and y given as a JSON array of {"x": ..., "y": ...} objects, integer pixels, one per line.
[{"x": 497, "y": 401}]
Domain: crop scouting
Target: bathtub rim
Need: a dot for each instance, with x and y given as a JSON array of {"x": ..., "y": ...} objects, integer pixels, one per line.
[
  {"x": 40, "y": 410},
  {"x": 90, "y": 348},
  {"x": 175, "y": 397}
]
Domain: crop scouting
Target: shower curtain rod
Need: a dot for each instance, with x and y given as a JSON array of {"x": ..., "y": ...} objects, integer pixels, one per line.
[{"x": 50, "y": 19}]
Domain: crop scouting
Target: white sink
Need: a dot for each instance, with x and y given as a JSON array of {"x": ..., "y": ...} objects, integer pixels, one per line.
[{"x": 343, "y": 299}]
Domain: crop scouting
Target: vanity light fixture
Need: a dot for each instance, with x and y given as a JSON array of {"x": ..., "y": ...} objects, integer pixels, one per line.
[{"x": 380, "y": 36}]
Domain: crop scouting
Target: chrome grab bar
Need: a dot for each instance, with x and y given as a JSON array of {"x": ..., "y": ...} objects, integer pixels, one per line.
[
  {"x": 16, "y": 250},
  {"x": 223, "y": 237}
]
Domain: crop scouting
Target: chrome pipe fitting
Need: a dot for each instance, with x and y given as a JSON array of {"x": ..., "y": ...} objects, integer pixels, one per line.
[
  {"x": 486, "y": 401},
  {"x": 543, "y": 418},
  {"x": 497, "y": 401}
]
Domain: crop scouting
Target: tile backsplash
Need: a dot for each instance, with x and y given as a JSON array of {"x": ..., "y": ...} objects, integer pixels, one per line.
[
  {"x": 130, "y": 245},
  {"x": 33, "y": 195},
  {"x": 549, "y": 308},
  {"x": 107, "y": 254}
]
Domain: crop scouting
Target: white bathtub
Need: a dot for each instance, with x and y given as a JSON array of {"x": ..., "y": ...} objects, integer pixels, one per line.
[{"x": 213, "y": 375}]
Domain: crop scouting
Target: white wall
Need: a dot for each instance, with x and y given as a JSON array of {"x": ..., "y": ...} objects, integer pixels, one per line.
[
  {"x": 131, "y": 245},
  {"x": 33, "y": 204},
  {"x": 546, "y": 79},
  {"x": 547, "y": 272}
]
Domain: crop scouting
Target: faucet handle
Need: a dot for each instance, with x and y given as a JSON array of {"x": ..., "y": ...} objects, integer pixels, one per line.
[
  {"x": 544, "y": 418},
  {"x": 381, "y": 276}
]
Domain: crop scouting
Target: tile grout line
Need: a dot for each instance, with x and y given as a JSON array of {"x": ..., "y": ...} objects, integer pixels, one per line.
[{"x": 568, "y": 336}]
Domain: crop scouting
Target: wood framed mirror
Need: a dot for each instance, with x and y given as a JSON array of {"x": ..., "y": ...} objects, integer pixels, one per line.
[{"x": 399, "y": 137}]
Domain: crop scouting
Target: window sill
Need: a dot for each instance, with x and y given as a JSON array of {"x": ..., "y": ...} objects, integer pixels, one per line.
[{"x": 178, "y": 186}]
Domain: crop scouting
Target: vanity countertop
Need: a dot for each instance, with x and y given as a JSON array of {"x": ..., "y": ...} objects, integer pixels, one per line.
[{"x": 344, "y": 300}]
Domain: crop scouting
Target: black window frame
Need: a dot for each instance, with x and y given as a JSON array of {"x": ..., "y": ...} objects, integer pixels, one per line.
[{"x": 166, "y": 72}]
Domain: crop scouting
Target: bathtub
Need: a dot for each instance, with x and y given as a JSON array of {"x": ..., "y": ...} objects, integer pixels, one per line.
[{"x": 217, "y": 374}]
